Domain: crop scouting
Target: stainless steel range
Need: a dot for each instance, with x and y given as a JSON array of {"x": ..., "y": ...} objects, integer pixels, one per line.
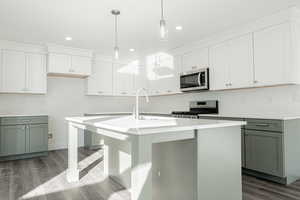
[{"x": 197, "y": 108}]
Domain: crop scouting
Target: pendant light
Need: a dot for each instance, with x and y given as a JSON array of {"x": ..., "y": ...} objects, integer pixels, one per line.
[
  {"x": 116, "y": 47},
  {"x": 162, "y": 23}
]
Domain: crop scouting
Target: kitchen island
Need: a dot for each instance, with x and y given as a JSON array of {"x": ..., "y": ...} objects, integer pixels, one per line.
[{"x": 217, "y": 152}]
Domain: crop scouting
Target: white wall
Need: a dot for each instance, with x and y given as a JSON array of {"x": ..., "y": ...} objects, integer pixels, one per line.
[
  {"x": 281, "y": 100},
  {"x": 65, "y": 97}
]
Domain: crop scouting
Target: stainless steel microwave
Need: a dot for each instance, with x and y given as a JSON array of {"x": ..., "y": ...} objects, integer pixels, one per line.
[{"x": 194, "y": 80}]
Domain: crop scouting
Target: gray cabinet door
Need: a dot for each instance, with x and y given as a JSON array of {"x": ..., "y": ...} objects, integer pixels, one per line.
[
  {"x": 13, "y": 140},
  {"x": 38, "y": 137},
  {"x": 264, "y": 152}
]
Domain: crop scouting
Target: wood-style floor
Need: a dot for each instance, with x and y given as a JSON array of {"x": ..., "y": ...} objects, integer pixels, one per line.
[{"x": 44, "y": 178}]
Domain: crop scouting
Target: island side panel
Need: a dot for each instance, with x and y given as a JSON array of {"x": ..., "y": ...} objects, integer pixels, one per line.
[
  {"x": 141, "y": 172},
  {"x": 291, "y": 150},
  {"x": 73, "y": 171},
  {"x": 219, "y": 164},
  {"x": 117, "y": 160}
]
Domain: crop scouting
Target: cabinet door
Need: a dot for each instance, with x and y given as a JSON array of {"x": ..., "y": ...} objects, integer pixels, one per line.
[
  {"x": 13, "y": 140},
  {"x": 169, "y": 80},
  {"x": 123, "y": 80},
  {"x": 36, "y": 75},
  {"x": 163, "y": 74},
  {"x": 59, "y": 63},
  {"x": 196, "y": 59},
  {"x": 101, "y": 80},
  {"x": 219, "y": 67},
  {"x": 241, "y": 62},
  {"x": 81, "y": 65},
  {"x": 38, "y": 137},
  {"x": 264, "y": 152},
  {"x": 271, "y": 55},
  {"x": 13, "y": 71}
]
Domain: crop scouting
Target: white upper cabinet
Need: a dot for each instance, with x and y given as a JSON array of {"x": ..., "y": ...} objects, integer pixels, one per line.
[
  {"x": 23, "y": 72},
  {"x": 241, "y": 62},
  {"x": 231, "y": 64},
  {"x": 66, "y": 61},
  {"x": 196, "y": 59},
  {"x": 163, "y": 73},
  {"x": 170, "y": 82},
  {"x": 123, "y": 77},
  {"x": 272, "y": 55},
  {"x": 81, "y": 65},
  {"x": 219, "y": 67},
  {"x": 13, "y": 71},
  {"x": 36, "y": 73},
  {"x": 101, "y": 80},
  {"x": 69, "y": 65},
  {"x": 59, "y": 63}
]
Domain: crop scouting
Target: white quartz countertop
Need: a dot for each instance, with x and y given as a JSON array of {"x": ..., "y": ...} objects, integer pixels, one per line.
[
  {"x": 150, "y": 124},
  {"x": 275, "y": 116},
  {"x": 21, "y": 115}
]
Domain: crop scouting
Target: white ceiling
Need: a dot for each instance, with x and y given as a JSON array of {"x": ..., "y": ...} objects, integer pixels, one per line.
[{"x": 90, "y": 23}]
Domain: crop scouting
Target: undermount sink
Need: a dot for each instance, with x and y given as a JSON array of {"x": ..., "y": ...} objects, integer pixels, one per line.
[
  {"x": 154, "y": 118},
  {"x": 129, "y": 122}
]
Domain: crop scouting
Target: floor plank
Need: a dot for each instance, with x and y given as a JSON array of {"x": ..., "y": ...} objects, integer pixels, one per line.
[{"x": 44, "y": 178}]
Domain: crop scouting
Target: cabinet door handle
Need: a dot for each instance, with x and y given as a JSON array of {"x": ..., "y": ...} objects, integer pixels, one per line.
[
  {"x": 169, "y": 91},
  {"x": 194, "y": 67},
  {"x": 255, "y": 81},
  {"x": 124, "y": 93},
  {"x": 100, "y": 92}
]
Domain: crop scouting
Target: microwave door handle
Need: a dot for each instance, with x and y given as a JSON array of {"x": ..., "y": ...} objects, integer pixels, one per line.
[{"x": 199, "y": 79}]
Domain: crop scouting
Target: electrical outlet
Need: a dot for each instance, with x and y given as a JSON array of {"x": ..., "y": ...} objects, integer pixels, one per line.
[{"x": 50, "y": 136}]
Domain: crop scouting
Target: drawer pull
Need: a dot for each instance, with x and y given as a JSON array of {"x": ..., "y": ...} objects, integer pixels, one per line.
[{"x": 262, "y": 125}]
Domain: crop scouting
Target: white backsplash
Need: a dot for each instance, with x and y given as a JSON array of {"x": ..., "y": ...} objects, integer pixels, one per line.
[{"x": 281, "y": 100}]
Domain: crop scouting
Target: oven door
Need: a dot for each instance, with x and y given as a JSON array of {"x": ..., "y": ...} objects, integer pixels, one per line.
[{"x": 194, "y": 81}]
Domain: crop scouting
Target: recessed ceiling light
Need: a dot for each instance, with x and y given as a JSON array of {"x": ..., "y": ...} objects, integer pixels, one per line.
[
  {"x": 179, "y": 28},
  {"x": 131, "y": 50},
  {"x": 68, "y": 38}
]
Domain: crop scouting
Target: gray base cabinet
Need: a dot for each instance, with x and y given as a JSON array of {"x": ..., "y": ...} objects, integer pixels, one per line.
[
  {"x": 13, "y": 140},
  {"x": 270, "y": 148},
  {"x": 264, "y": 152},
  {"x": 21, "y": 136},
  {"x": 38, "y": 137}
]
